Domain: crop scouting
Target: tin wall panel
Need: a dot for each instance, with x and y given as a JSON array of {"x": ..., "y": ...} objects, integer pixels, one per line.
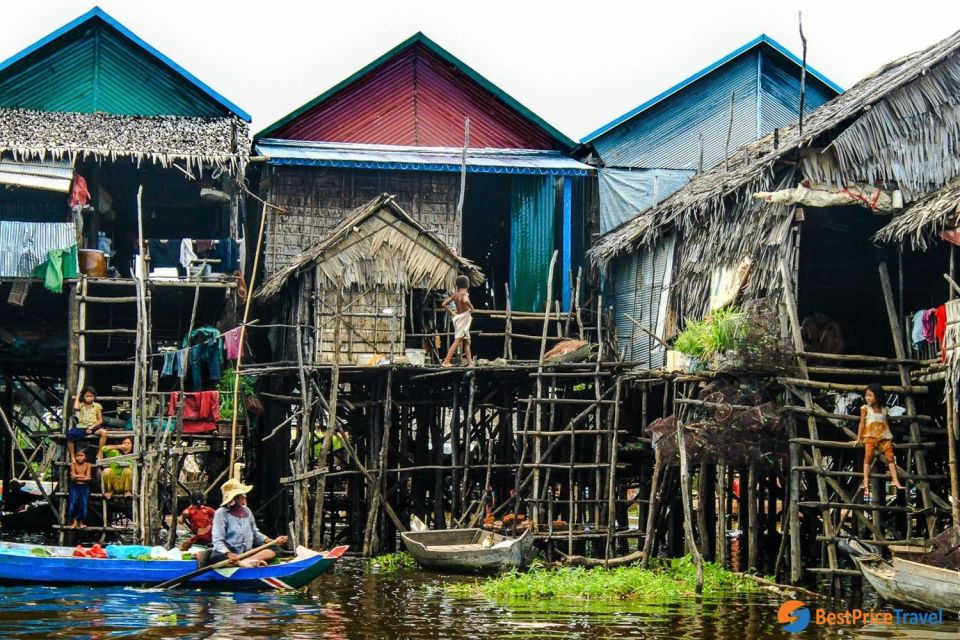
[
  {"x": 94, "y": 68},
  {"x": 667, "y": 136},
  {"x": 641, "y": 284},
  {"x": 532, "y": 240},
  {"x": 415, "y": 99}
]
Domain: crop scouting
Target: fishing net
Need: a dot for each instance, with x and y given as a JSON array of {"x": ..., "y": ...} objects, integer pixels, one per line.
[{"x": 735, "y": 424}]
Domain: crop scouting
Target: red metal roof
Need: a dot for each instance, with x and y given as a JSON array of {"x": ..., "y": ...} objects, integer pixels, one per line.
[{"x": 415, "y": 98}]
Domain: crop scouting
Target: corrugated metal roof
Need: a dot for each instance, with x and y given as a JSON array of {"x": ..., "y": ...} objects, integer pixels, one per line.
[
  {"x": 413, "y": 158},
  {"x": 418, "y": 93},
  {"x": 53, "y": 175},
  {"x": 762, "y": 39},
  {"x": 94, "y": 63}
]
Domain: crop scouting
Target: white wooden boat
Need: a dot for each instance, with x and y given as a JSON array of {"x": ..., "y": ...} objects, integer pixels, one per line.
[
  {"x": 469, "y": 550},
  {"x": 907, "y": 582}
]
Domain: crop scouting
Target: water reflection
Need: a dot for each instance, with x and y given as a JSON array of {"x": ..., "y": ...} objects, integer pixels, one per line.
[{"x": 355, "y": 603}]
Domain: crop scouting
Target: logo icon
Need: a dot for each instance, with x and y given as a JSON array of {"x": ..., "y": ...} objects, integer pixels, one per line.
[{"x": 794, "y": 615}]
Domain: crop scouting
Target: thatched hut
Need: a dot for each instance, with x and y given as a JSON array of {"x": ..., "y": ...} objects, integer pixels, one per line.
[
  {"x": 361, "y": 276},
  {"x": 884, "y": 142}
]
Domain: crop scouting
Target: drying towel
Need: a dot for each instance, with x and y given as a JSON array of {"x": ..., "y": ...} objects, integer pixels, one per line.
[
  {"x": 187, "y": 254},
  {"x": 461, "y": 325},
  {"x": 163, "y": 253}
]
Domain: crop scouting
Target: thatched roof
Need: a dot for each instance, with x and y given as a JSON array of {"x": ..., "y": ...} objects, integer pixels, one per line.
[
  {"x": 901, "y": 123},
  {"x": 378, "y": 244},
  {"x": 36, "y": 135},
  {"x": 925, "y": 218}
]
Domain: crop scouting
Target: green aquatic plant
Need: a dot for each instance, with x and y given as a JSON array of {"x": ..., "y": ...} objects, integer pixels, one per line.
[
  {"x": 248, "y": 387},
  {"x": 722, "y": 330},
  {"x": 393, "y": 562},
  {"x": 663, "y": 581}
]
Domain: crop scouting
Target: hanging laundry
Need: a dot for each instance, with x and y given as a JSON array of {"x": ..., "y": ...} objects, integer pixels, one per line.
[
  {"x": 164, "y": 253},
  {"x": 79, "y": 194},
  {"x": 187, "y": 254},
  {"x": 231, "y": 343},
  {"x": 206, "y": 346},
  {"x": 227, "y": 252},
  {"x": 941, "y": 314},
  {"x": 60, "y": 264},
  {"x": 930, "y": 325},
  {"x": 916, "y": 332},
  {"x": 169, "y": 358},
  {"x": 201, "y": 410}
]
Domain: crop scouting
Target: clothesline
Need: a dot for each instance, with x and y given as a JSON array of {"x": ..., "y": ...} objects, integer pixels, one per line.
[{"x": 219, "y": 335}]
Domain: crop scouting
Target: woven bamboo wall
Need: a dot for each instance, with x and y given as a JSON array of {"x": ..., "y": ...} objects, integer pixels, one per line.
[
  {"x": 372, "y": 323},
  {"x": 318, "y": 198}
]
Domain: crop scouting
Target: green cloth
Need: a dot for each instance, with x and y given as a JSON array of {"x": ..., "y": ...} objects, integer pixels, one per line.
[{"x": 60, "y": 264}]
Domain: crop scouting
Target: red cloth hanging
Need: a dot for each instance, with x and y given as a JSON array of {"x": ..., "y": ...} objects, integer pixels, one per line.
[
  {"x": 941, "y": 314},
  {"x": 79, "y": 194},
  {"x": 201, "y": 410}
]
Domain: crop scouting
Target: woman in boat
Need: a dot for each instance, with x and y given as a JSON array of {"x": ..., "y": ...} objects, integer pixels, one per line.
[{"x": 235, "y": 532}]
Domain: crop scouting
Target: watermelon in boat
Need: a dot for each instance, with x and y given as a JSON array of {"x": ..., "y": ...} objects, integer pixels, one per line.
[{"x": 39, "y": 564}]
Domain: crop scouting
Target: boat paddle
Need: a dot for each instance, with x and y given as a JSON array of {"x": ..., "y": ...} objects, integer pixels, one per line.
[{"x": 169, "y": 584}]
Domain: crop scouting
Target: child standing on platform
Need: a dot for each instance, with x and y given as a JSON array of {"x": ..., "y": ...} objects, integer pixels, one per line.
[{"x": 81, "y": 473}]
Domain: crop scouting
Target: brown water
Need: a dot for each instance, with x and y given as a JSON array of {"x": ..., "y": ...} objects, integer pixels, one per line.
[{"x": 356, "y": 602}]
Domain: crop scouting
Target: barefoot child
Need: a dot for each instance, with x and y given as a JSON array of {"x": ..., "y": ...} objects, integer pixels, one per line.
[
  {"x": 81, "y": 473},
  {"x": 874, "y": 433},
  {"x": 89, "y": 419},
  {"x": 461, "y": 320},
  {"x": 118, "y": 477}
]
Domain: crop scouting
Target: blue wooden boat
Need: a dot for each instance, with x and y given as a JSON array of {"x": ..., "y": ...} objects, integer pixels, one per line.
[{"x": 21, "y": 563}]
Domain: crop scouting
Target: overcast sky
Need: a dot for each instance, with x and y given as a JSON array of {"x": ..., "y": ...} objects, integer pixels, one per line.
[{"x": 576, "y": 64}]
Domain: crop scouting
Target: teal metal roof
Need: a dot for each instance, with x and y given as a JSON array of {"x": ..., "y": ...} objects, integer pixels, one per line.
[
  {"x": 95, "y": 64},
  {"x": 422, "y": 39},
  {"x": 762, "y": 39}
]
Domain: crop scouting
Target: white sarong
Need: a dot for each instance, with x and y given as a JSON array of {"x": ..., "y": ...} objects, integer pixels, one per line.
[{"x": 461, "y": 325}]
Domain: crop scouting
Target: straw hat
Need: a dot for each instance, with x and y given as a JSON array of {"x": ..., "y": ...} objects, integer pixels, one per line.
[{"x": 233, "y": 488}]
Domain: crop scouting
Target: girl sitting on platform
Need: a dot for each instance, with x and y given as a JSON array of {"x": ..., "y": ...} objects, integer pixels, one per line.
[
  {"x": 874, "y": 433},
  {"x": 118, "y": 477}
]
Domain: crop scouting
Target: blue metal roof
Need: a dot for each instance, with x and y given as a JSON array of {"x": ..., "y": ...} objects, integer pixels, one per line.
[
  {"x": 99, "y": 13},
  {"x": 760, "y": 40},
  {"x": 381, "y": 156}
]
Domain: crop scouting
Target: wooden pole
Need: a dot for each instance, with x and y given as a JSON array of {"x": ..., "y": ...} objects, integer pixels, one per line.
[
  {"x": 369, "y": 539},
  {"x": 652, "y": 509},
  {"x": 331, "y": 407},
  {"x": 687, "y": 509},
  {"x": 243, "y": 337},
  {"x": 793, "y": 505},
  {"x": 753, "y": 534},
  {"x": 721, "y": 514},
  {"x": 538, "y": 412},
  {"x": 900, "y": 352},
  {"x": 951, "y": 400},
  {"x": 612, "y": 473}
]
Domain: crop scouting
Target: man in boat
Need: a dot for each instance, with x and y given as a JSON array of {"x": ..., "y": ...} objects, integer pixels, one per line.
[{"x": 235, "y": 532}]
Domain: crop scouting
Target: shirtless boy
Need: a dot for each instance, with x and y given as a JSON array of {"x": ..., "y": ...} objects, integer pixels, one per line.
[{"x": 461, "y": 320}]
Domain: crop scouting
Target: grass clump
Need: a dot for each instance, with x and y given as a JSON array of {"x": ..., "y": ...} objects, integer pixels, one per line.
[
  {"x": 393, "y": 562},
  {"x": 664, "y": 581},
  {"x": 723, "y": 330}
]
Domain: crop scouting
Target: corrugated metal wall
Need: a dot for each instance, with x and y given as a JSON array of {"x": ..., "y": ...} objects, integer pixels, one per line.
[
  {"x": 532, "y": 240},
  {"x": 666, "y": 136},
  {"x": 416, "y": 99},
  {"x": 641, "y": 282},
  {"x": 780, "y": 92},
  {"x": 97, "y": 69}
]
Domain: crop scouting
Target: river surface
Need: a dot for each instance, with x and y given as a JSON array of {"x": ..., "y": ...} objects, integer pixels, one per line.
[{"x": 357, "y": 602}]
